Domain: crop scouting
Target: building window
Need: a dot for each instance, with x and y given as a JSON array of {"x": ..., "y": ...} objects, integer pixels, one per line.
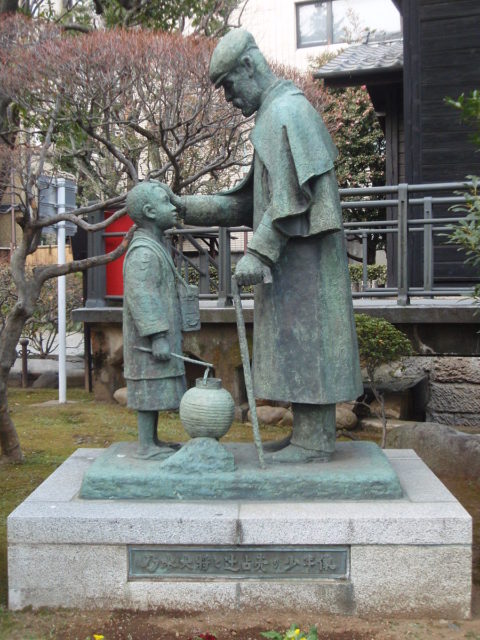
[{"x": 332, "y": 21}]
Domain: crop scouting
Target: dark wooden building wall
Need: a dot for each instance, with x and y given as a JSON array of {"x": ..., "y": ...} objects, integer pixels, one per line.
[
  {"x": 394, "y": 136},
  {"x": 387, "y": 99},
  {"x": 401, "y": 150},
  {"x": 441, "y": 58}
]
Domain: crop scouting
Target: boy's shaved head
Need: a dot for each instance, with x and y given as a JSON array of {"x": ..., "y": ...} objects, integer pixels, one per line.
[{"x": 142, "y": 194}]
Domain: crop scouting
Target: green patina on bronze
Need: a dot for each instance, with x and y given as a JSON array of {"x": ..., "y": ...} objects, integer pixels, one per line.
[
  {"x": 151, "y": 317},
  {"x": 313, "y": 562},
  {"x": 204, "y": 469},
  {"x": 305, "y": 348}
]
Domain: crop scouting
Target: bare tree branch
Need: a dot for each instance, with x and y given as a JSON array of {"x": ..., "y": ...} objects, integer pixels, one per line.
[
  {"x": 76, "y": 219},
  {"x": 80, "y": 222},
  {"x": 112, "y": 148},
  {"x": 45, "y": 148},
  {"x": 53, "y": 271}
]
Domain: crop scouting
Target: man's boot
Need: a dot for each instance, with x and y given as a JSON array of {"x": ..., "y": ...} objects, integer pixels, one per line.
[{"x": 313, "y": 436}]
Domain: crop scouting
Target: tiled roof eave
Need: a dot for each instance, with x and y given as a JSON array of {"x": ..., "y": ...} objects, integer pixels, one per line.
[{"x": 355, "y": 73}]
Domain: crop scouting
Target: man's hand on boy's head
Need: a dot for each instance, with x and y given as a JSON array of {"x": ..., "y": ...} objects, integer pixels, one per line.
[
  {"x": 177, "y": 201},
  {"x": 160, "y": 348}
]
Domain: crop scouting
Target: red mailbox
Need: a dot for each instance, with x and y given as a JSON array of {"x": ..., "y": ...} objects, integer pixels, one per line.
[{"x": 114, "y": 270}]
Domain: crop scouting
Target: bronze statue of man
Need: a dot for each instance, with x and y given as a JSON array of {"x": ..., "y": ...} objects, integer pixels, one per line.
[{"x": 305, "y": 348}]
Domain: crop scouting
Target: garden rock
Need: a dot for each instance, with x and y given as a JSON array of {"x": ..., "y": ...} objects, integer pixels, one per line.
[
  {"x": 401, "y": 375},
  {"x": 47, "y": 380},
  {"x": 345, "y": 417},
  {"x": 120, "y": 396},
  {"x": 287, "y": 420},
  {"x": 262, "y": 402},
  {"x": 445, "y": 450},
  {"x": 281, "y": 403},
  {"x": 268, "y": 415}
]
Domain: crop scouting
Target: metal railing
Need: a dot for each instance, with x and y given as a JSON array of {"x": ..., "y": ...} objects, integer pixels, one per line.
[
  {"x": 399, "y": 224},
  {"x": 398, "y": 199}
]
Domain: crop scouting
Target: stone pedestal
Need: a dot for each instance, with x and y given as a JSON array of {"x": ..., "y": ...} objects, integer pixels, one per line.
[{"x": 407, "y": 556}]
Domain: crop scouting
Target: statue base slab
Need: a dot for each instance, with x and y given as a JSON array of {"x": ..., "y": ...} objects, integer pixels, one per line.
[
  {"x": 357, "y": 471},
  {"x": 410, "y": 556}
]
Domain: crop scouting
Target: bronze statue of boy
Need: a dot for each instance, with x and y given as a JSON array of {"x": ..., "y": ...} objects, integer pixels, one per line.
[{"x": 151, "y": 317}]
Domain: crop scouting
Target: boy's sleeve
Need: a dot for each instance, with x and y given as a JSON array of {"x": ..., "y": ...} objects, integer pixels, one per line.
[{"x": 143, "y": 272}]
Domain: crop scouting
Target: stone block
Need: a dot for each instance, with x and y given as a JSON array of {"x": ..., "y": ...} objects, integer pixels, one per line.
[
  {"x": 410, "y": 556},
  {"x": 55, "y": 487},
  {"x": 102, "y": 522},
  {"x": 423, "y": 582},
  {"x": 352, "y": 526},
  {"x": 186, "y": 596},
  {"x": 59, "y": 575},
  {"x": 456, "y": 419},
  {"x": 335, "y": 598},
  {"x": 39, "y": 574},
  {"x": 420, "y": 484},
  {"x": 464, "y": 397},
  {"x": 456, "y": 369}
]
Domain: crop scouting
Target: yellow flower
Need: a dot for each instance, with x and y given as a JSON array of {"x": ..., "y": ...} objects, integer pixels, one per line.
[
  {"x": 297, "y": 631},
  {"x": 98, "y": 636}
]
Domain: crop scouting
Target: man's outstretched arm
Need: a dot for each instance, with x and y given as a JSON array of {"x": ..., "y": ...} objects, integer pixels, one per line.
[{"x": 227, "y": 210}]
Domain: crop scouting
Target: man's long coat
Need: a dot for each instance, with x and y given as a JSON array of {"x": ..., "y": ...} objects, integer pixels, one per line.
[{"x": 305, "y": 346}]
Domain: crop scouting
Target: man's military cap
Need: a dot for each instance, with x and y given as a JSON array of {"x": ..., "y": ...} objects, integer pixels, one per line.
[{"x": 227, "y": 53}]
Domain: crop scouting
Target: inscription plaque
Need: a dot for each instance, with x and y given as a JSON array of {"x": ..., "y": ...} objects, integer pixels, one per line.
[{"x": 255, "y": 562}]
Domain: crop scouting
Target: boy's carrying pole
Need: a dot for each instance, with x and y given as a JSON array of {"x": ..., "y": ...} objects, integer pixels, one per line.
[{"x": 242, "y": 339}]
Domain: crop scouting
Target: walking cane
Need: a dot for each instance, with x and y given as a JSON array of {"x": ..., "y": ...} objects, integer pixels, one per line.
[{"x": 247, "y": 373}]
